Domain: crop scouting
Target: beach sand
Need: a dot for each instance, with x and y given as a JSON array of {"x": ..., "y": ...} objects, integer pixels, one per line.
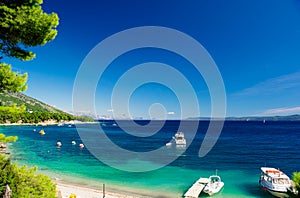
[{"x": 84, "y": 192}]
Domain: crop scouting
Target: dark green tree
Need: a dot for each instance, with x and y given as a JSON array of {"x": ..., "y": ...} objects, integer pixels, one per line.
[
  {"x": 23, "y": 24},
  {"x": 12, "y": 81},
  {"x": 296, "y": 180},
  {"x": 6, "y": 139},
  {"x": 24, "y": 182}
]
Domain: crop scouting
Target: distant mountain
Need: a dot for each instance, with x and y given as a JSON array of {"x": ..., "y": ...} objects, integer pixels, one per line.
[
  {"x": 8, "y": 99},
  {"x": 254, "y": 118},
  {"x": 267, "y": 118}
]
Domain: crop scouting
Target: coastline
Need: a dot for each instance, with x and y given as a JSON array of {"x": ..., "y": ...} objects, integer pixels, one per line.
[
  {"x": 66, "y": 189},
  {"x": 47, "y": 123}
]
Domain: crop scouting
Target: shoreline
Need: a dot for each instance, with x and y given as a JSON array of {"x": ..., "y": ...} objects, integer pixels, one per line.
[
  {"x": 66, "y": 189},
  {"x": 46, "y": 123}
]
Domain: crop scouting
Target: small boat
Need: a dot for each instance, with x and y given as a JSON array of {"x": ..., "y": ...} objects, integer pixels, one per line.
[
  {"x": 179, "y": 138},
  {"x": 81, "y": 145},
  {"x": 214, "y": 185},
  {"x": 114, "y": 124},
  {"x": 42, "y": 132},
  {"x": 58, "y": 144},
  {"x": 73, "y": 142},
  {"x": 169, "y": 144},
  {"x": 275, "y": 181},
  {"x": 60, "y": 124}
]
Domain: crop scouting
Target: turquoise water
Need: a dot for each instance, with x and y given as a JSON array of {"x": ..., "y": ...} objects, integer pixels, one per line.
[{"x": 239, "y": 153}]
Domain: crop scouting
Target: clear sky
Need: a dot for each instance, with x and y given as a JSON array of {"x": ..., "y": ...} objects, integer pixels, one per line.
[{"x": 255, "y": 44}]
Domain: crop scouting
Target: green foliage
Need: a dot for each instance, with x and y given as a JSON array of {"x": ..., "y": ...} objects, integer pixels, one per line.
[
  {"x": 10, "y": 98},
  {"x": 15, "y": 114},
  {"x": 84, "y": 118},
  {"x": 24, "y": 182},
  {"x": 10, "y": 80},
  {"x": 24, "y": 24},
  {"x": 7, "y": 139},
  {"x": 296, "y": 180}
]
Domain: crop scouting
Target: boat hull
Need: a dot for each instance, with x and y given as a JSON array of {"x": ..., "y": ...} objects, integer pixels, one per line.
[
  {"x": 278, "y": 194},
  {"x": 214, "y": 190}
]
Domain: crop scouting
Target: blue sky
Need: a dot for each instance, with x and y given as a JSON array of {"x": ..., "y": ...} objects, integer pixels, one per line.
[{"x": 255, "y": 44}]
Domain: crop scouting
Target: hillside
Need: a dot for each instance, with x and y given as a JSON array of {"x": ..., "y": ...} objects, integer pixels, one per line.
[{"x": 8, "y": 99}]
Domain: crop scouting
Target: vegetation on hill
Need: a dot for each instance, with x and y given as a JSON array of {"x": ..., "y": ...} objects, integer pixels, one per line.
[
  {"x": 17, "y": 107},
  {"x": 31, "y": 104}
]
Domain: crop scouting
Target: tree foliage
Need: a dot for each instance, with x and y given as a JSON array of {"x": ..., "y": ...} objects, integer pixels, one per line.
[
  {"x": 10, "y": 80},
  {"x": 296, "y": 180},
  {"x": 23, "y": 181},
  {"x": 15, "y": 114},
  {"x": 6, "y": 139},
  {"x": 84, "y": 118},
  {"x": 24, "y": 24}
]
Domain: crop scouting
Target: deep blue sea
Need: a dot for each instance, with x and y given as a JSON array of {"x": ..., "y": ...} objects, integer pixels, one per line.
[{"x": 240, "y": 151}]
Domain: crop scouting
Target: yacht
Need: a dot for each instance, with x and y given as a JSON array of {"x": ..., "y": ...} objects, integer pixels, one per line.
[
  {"x": 214, "y": 185},
  {"x": 179, "y": 138},
  {"x": 275, "y": 181}
]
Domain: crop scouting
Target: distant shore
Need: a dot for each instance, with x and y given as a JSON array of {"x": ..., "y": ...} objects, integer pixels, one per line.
[{"x": 46, "y": 123}]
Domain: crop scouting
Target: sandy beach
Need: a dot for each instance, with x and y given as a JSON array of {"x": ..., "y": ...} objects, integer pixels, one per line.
[{"x": 84, "y": 192}]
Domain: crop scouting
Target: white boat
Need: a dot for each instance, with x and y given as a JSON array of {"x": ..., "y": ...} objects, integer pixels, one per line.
[
  {"x": 169, "y": 144},
  {"x": 60, "y": 124},
  {"x": 214, "y": 185},
  {"x": 58, "y": 144},
  {"x": 81, "y": 146},
  {"x": 275, "y": 181},
  {"x": 179, "y": 138}
]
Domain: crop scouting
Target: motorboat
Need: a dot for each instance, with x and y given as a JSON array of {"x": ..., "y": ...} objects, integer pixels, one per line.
[
  {"x": 58, "y": 144},
  {"x": 73, "y": 142},
  {"x": 179, "y": 138},
  {"x": 60, "y": 124},
  {"x": 214, "y": 185},
  {"x": 81, "y": 146},
  {"x": 275, "y": 181}
]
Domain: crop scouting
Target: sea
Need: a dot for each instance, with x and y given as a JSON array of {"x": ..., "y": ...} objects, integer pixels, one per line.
[{"x": 242, "y": 148}]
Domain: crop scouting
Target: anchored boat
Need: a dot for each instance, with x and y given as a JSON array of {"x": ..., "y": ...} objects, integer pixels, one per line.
[
  {"x": 214, "y": 185},
  {"x": 210, "y": 186},
  {"x": 179, "y": 138},
  {"x": 275, "y": 181}
]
